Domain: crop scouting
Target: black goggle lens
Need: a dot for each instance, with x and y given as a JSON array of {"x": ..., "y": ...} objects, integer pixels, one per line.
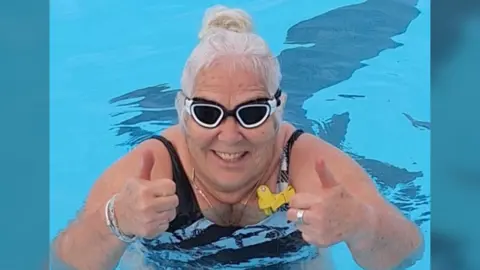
[
  {"x": 207, "y": 114},
  {"x": 251, "y": 115}
]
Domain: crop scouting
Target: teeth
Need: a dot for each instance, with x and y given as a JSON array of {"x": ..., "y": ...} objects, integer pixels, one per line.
[{"x": 229, "y": 156}]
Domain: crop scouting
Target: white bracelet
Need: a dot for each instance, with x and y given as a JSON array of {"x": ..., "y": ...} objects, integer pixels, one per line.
[{"x": 113, "y": 224}]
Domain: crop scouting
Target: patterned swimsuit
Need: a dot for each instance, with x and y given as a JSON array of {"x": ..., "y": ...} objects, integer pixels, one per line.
[{"x": 193, "y": 242}]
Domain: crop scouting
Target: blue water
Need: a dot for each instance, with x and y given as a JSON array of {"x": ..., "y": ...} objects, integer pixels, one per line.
[{"x": 359, "y": 78}]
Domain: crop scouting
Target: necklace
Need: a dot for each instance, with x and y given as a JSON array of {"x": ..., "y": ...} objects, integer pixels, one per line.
[{"x": 229, "y": 222}]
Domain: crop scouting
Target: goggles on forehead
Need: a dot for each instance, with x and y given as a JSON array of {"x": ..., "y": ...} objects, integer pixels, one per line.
[{"x": 249, "y": 114}]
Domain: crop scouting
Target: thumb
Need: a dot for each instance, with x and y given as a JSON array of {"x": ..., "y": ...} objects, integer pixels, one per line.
[
  {"x": 325, "y": 176},
  {"x": 146, "y": 165}
]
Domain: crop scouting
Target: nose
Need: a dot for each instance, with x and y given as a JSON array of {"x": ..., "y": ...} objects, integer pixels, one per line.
[{"x": 229, "y": 131}]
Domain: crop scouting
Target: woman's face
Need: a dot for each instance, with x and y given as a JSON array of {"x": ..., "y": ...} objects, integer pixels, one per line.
[{"x": 230, "y": 156}]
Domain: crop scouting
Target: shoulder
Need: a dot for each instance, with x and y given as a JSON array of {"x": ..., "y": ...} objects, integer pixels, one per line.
[
  {"x": 158, "y": 149},
  {"x": 308, "y": 149},
  {"x": 116, "y": 175},
  {"x": 286, "y": 131},
  {"x": 309, "y": 146},
  {"x": 160, "y": 152}
]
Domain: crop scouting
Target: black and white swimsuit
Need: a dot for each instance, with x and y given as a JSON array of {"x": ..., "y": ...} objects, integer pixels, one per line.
[{"x": 194, "y": 242}]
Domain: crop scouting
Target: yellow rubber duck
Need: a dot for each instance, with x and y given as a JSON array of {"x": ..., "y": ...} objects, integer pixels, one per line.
[{"x": 269, "y": 202}]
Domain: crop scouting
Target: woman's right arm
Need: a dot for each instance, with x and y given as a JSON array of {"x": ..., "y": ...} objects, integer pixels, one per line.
[{"x": 88, "y": 243}]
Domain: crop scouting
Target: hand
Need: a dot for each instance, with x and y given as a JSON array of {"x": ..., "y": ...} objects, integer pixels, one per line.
[
  {"x": 331, "y": 215},
  {"x": 145, "y": 207}
]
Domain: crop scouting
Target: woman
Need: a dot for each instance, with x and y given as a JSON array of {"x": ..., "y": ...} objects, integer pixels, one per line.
[{"x": 222, "y": 188}]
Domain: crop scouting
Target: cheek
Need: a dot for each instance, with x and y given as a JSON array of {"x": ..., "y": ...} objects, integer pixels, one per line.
[
  {"x": 264, "y": 134},
  {"x": 262, "y": 140},
  {"x": 197, "y": 136}
]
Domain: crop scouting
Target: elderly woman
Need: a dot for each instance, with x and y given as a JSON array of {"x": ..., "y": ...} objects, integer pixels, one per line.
[{"x": 232, "y": 185}]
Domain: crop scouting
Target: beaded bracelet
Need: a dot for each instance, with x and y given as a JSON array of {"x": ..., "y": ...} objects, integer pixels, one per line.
[{"x": 113, "y": 224}]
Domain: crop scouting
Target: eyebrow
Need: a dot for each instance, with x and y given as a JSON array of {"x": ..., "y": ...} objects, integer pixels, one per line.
[{"x": 253, "y": 98}]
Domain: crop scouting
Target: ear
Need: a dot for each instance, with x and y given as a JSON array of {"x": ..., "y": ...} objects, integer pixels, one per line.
[
  {"x": 179, "y": 102},
  {"x": 179, "y": 106},
  {"x": 283, "y": 101}
]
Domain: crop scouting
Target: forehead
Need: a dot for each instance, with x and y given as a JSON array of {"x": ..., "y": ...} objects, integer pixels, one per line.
[{"x": 231, "y": 79}]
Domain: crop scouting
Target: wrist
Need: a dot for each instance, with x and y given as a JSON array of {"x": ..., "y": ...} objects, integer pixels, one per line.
[
  {"x": 112, "y": 222},
  {"x": 364, "y": 235}
]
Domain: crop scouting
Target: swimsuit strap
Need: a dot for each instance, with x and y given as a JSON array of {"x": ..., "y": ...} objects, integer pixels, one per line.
[
  {"x": 188, "y": 210},
  {"x": 284, "y": 179}
]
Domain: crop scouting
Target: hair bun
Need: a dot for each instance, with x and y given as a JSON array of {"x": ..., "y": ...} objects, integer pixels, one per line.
[{"x": 231, "y": 19}]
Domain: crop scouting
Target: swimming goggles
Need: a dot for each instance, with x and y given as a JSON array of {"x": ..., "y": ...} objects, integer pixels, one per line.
[{"x": 250, "y": 114}]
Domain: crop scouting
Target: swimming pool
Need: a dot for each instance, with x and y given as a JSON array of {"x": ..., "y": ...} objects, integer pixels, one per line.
[{"x": 356, "y": 73}]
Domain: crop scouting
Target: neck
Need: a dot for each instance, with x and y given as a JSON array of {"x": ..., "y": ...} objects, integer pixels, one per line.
[{"x": 218, "y": 196}]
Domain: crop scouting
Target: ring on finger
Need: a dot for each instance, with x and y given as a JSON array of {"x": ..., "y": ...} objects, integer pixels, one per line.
[{"x": 300, "y": 217}]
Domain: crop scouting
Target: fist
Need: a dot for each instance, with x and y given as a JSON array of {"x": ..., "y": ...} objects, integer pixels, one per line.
[
  {"x": 331, "y": 215},
  {"x": 145, "y": 207}
]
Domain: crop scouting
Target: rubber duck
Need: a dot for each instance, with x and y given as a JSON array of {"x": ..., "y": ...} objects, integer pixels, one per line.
[{"x": 269, "y": 202}]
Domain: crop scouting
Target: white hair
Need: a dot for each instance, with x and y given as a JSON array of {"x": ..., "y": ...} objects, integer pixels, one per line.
[{"x": 229, "y": 32}]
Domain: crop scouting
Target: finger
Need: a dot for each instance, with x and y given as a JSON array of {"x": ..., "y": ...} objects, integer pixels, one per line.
[
  {"x": 309, "y": 238},
  {"x": 313, "y": 236},
  {"x": 309, "y": 233},
  {"x": 166, "y": 203},
  {"x": 162, "y": 187},
  {"x": 292, "y": 215},
  {"x": 304, "y": 200},
  {"x": 155, "y": 230},
  {"x": 325, "y": 176},
  {"x": 146, "y": 165},
  {"x": 164, "y": 217}
]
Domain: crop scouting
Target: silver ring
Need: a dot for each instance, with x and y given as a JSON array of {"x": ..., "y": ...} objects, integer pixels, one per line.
[{"x": 300, "y": 214}]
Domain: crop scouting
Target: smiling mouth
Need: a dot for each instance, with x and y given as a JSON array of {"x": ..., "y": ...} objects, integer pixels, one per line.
[{"x": 230, "y": 157}]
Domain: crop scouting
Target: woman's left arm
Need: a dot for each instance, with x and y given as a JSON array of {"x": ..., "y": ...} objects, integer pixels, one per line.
[
  {"x": 377, "y": 233},
  {"x": 392, "y": 241}
]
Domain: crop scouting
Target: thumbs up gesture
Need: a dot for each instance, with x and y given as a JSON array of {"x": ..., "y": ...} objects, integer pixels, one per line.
[
  {"x": 145, "y": 206},
  {"x": 330, "y": 215}
]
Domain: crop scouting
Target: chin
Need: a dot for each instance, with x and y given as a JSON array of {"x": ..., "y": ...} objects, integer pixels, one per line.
[{"x": 228, "y": 180}]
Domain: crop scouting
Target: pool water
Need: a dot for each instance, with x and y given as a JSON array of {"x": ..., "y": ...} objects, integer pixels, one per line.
[{"x": 356, "y": 74}]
